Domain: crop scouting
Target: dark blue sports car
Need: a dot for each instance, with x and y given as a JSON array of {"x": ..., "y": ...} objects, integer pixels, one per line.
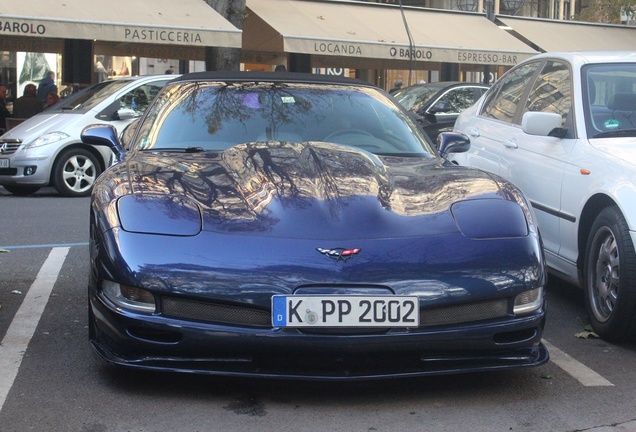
[{"x": 290, "y": 225}]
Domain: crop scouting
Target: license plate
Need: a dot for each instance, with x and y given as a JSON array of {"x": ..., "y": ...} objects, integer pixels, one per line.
[
  {"x": 345, "y": 311},
  {"x": 4, "y": 163}
]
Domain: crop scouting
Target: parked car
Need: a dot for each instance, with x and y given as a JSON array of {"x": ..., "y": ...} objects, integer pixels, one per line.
[
  {"x": 291, "y": 225},
  {"x": 437, "y": 105},
  {"x": 562, "y": 127},
  {"x": 46, "y": 149}
]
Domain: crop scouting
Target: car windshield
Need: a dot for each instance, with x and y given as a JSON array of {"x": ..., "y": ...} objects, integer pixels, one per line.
[
  {"x": 216, "y": 116},
  {"x": 610, "y": 99},
  {"x": 86, "y": 99}
]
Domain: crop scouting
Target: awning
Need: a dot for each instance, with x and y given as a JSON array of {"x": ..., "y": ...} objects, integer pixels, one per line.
[
  {"x": 369, "y": 30},
  {"x": 165, "y": 22},
  {"x": 550, "y": 36}
]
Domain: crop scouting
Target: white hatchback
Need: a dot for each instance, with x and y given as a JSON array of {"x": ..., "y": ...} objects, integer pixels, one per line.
[
  {"x": 46, "y": 149},
  {"x": 562, "y": 127}
]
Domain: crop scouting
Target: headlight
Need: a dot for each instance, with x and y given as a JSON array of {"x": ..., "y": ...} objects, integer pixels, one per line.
[
  {"x": 490, "y": 218},
  {"x": 46, "y": 139},
  {"x": 128, "y": 297},
  {"x": 528, "y": 301},
  {"x": 159, "y": 214}
]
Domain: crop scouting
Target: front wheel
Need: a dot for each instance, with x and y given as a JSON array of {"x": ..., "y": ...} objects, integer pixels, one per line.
[
  {"x": 75, "y": 172},
  {"x": 610, "y": 277}
]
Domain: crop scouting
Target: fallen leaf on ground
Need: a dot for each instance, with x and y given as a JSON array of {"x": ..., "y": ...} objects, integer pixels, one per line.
[{"x": 586, "y": 334}]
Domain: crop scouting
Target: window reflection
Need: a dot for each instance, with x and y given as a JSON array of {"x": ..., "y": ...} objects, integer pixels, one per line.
[
  {"x": 504, "y": 99},
  {"x": 552, "y": 92},
  {"x": 216, "y": 117}
]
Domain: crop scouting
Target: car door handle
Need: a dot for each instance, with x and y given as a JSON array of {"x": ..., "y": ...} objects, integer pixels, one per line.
[
  {"x": 473, "y": 132},
  {"x": 510, "y": 143}
]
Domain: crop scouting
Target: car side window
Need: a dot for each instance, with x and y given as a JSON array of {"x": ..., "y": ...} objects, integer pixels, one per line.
[
  {"x": 552, "y": 92},
  {"x": 456, "y": 100},
  {"x": 505, "y": 97},
  {"x": 139, "y": 98}
]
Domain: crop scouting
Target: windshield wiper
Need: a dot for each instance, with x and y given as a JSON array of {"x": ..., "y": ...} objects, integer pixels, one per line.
[
  {"x": 194, "y": 149},
  {"x": 616, "y": 133},
  {"x": 179, "y": 149}
]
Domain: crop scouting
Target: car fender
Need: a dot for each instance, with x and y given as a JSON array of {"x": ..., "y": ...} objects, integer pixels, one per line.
[
  {"x": 609, "y": 183},
  {"x": 615, "y": 179}
]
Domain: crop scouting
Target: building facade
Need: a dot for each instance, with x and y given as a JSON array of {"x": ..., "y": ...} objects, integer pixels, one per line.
[{"x": 379, "y": 41}]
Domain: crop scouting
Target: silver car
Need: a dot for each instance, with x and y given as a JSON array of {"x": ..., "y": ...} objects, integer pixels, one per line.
[{"x": 46, "y": 150}]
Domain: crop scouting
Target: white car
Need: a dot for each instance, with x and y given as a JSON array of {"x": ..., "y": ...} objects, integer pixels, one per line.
[
  {"x": 46, "y": 149},
  {"x": 562, "y": 127}
]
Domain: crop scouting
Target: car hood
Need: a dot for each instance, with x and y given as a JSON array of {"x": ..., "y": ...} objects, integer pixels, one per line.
[
  {"x": 623, "y": 149},
  {"x": 307, "y": 190},
  {"x": 42, "y": 123}
]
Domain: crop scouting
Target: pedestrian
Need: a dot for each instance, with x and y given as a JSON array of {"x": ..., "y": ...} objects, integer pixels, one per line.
[
  {"x": 51, "y": 99},
  {"x": 28, "y": 104},
  {"x": 396, "y": 86},
  {"x": 280, "y": 68},
  {"x": 101, "y": 74},
  {"x": 47, "y": 85},
  {"x": 4, "y": 111},
  {"x": 169, "y": 71}
]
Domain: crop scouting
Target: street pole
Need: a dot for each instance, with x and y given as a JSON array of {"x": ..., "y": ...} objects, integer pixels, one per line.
[{"x": 490, "y": 14}]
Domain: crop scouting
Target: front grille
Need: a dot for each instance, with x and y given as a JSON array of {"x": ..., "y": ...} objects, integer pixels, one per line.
[
  {"x": 8, "y": 171},
  {"x": 215, "y": 313},
  {"x": 464, "y": 313},
  {"x": 245, "y": 316},
  {"x": 9, "y": 146}
]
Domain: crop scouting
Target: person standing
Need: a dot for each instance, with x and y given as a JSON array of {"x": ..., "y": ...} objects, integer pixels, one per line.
[
  {"x": 100, "y": 71},
  {"x": 47, "y": 85},
  {"x": 4, "y": 111},
  {"x": 28, "y": 104}
]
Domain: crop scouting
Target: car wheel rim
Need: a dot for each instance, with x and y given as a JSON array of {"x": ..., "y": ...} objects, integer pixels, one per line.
[
  {"x": 606, "y": 276},
  {"x": 79, "y": 174}
]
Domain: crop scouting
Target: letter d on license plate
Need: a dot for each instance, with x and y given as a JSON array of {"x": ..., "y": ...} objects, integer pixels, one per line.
[{"x": 345, "y": 311}]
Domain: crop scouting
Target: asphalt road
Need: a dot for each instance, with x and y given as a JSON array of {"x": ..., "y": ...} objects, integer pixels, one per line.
[{"x": 54, "y": 382}]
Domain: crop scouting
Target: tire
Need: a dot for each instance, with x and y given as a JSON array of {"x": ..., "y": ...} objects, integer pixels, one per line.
[
  {"x": 22, "y": 190},
  {"x": 75, "y": 172},
  {"x": 610, "y": 277}
]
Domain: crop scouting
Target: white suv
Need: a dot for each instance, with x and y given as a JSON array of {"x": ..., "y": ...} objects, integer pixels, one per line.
[
  {"x": 562, "y": 127},
  {"x": 46, "y": 149}
]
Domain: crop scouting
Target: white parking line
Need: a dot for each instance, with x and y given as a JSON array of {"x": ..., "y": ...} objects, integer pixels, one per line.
[
  {"x": 576, "y": 369},
  {"x": 18, "y": 336}
]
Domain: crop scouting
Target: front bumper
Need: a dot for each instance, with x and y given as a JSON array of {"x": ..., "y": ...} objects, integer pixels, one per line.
[
  {"x": 160, "y": 343},
  {"x": 32, "y": 171}
]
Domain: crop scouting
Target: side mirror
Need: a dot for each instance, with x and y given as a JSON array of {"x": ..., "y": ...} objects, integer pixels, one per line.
[
  {"x": 103, "y": 135},
  {"x": 452, "y": 142},
  {"x": 125, "y": 114},
  {"x": 540, "y": 123}
]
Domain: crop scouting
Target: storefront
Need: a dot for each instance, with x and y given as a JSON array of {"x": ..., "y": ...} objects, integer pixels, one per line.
[
  {"x": 369, "y": 39},
  {"x": 83, "y": 44},
  {"x": 379, "y": 43}
]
